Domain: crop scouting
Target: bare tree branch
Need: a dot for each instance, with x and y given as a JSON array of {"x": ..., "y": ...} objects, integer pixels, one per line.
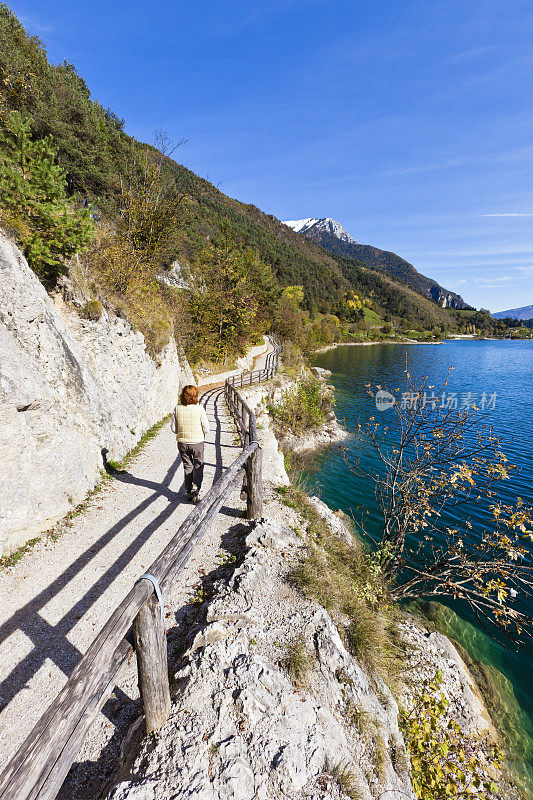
[{"x": 436, "y": 460}]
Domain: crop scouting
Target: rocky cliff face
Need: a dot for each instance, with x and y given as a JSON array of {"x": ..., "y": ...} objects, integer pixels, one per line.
[
  {"x": 242, "y": 728},
  {"x": 68, "y": 389},
  {"x": 245, "y": 727},
  {"x": 446, "y": 299}
]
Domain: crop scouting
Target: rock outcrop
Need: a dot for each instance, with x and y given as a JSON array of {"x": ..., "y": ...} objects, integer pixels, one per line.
[
  {"x": 68, "y": 389},
  {"x": 244, "y": 727},
  {"x": 241, "y": 728},
  {"x": 259, "y": 397}
]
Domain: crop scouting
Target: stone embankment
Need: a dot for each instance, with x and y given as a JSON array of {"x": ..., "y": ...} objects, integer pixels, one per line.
[{"x": 68, "y": 388}]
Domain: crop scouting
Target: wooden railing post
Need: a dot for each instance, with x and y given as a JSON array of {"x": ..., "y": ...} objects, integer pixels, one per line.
[
  {"x": 246, "y": 427},
  {"x": 254, "y": 477},
  {"x": 152, "y": 667}
]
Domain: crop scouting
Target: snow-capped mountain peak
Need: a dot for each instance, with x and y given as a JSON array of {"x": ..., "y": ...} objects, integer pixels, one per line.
[
  {"x": 324, "y": 225},
  {"x": 301, "y": 225}
]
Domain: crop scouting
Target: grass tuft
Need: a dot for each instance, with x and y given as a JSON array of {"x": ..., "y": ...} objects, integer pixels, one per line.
[
  {"x": 92, "y": 310},
  {"x": 342, "y": 578},
  {"x": 371, "y": 640},
  {"x": 112, "y": 466},
  {"x": 297, "y": 661},
  {"x": 11, "y": 560},
  {"x": 359, "y": 718},
  {"x": 302, "y": 407},
  {"x": 342, "y": 774},
  {"x": 379, "y": 755}
]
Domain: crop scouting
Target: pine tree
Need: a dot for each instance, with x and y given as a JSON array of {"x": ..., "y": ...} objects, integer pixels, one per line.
[{"x": 33, "y": 202}]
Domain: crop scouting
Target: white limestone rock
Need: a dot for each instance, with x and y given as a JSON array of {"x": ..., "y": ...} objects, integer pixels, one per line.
[
  {"x": 334, "y": 520},
  {"x": 239, "y": 727},
  {"x": 68, "y": 388}
]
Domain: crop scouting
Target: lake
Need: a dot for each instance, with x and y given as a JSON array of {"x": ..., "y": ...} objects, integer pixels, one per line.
[{"x": 498, "y": 374}]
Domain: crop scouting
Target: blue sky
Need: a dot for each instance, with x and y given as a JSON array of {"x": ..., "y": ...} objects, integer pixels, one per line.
[{"x": 408, "y": 121}]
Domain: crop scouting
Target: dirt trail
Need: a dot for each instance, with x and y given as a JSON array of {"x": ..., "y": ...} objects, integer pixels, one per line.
[{"x": 57, "y": 598}]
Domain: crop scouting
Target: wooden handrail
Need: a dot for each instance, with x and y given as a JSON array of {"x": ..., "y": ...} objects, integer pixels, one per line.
[{"x": 38, "y": 769}]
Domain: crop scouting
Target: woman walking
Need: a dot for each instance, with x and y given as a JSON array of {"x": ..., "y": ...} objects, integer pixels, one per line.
[{"x": 190, "y": 424}]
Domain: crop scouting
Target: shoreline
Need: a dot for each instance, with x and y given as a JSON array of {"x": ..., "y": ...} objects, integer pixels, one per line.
[
  {"x": 306, "y": 444},
  {"x": 459, "y": 338},
  {"x": 368, "y": 344},
  {"x": 504, "y": 701},
  {"x": 431, "y": 642}
]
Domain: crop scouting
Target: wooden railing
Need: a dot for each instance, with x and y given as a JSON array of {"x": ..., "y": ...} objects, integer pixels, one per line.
[
  {"x": 38, "y": 769},
  {"x": 258, "y": 375}
]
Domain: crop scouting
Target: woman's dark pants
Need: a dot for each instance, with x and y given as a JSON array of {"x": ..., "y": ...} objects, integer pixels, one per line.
[{"x": 192, "y": 456}]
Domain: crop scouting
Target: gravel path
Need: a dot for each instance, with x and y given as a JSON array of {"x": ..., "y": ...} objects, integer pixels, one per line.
[{"x": 57, "y": 598}]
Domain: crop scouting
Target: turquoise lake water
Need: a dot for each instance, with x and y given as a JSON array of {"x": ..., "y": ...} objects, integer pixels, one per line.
[{"x": 503, "y": 372}]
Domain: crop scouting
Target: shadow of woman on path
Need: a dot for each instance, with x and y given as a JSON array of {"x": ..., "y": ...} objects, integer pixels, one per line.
[
  {"x": 91, "y": 780},
  {"x": 124, "y": 476}
]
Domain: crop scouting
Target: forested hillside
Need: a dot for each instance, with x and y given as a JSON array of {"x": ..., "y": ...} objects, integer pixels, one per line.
[
  {"x": 393, "y": 265},
  {"x": 82, "y": 197}
]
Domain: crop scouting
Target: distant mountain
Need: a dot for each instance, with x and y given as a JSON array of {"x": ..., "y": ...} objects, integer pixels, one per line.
[
  {"x": 525, "y": 312},
  {"x": 325, "y": 226},
  {"x": 332, "y": 237}
]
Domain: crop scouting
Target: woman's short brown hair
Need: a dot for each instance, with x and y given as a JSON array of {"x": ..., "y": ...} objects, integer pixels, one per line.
[{"x": 189, "y": 395}]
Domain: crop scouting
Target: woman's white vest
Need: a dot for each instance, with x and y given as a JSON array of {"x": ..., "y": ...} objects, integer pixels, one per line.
[{"x": 188, "y": 423}]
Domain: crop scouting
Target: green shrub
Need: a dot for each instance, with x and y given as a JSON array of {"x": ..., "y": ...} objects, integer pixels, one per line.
[
  {"x": 303, "y": 406},
  {"x": 92, "y": 310},
  {"x": 33, "y": 201},
  {"x": 231, "y": 288},
  {"x": 445, "y": 762},
  {"x": 343, "y": 776},
  {"x": 292, "y": 357}
]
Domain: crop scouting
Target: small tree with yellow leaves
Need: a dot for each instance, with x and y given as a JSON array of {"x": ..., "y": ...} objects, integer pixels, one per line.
[
  {"x": 438, "y": 462},
  {"x": 445, "y": 762}
]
